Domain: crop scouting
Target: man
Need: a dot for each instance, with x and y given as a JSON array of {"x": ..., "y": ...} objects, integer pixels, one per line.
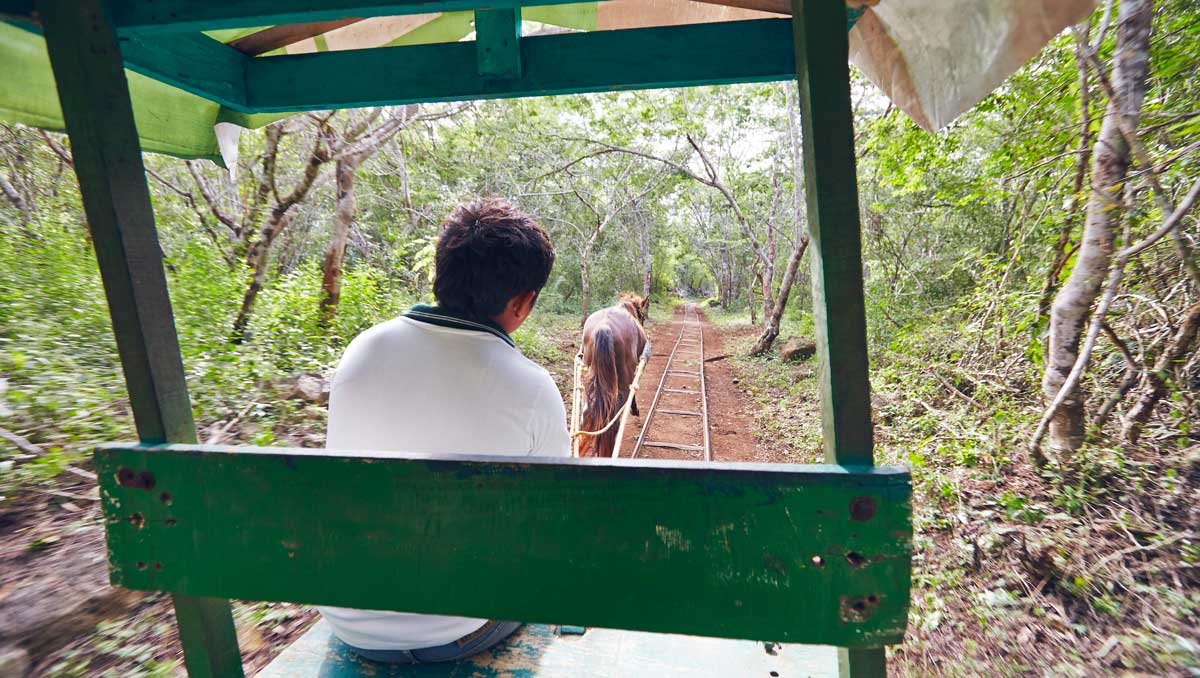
[{"x": 449, "y": 379}]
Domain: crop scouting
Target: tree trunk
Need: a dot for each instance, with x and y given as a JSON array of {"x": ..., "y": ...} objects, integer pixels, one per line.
[
  {"x": 1154, "y": 382},
  {"x": 1110, "y": 164},
  {"x": 768, "y": 274},
  {"x": 258, "y": 256},
  {"x": 647, "y": 270},
  {"x": 339, "y": 234},
  {"x": 585, "y": 288},
  {"x": 402, "y": 161},
  {"x": 771, "y": 322},
  {"x": 730, "y": 282},
  {"x": 645, "y": 249},
  {"x": 15, "y": 197},
  {"x": 1061, "y": 251},
  {"x": 773, "y": 318},
  {"x": 750, "y": 298}
]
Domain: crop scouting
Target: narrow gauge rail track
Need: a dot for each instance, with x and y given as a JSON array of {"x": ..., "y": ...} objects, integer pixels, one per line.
[{"x": 682, "y": 380}]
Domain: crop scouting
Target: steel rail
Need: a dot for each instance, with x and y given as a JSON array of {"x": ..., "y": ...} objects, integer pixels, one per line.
[
  {"x": 696, "y": 346},
  {"x": 637, "y": 447},
  {"x": 703, "y": 390}
]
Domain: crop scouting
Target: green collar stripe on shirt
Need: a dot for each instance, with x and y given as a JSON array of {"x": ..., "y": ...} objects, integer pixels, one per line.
[{"x": 441, "y": 317}]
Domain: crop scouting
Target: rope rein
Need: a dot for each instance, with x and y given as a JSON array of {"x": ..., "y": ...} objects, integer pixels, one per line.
[{"x": 620, "y": 412}]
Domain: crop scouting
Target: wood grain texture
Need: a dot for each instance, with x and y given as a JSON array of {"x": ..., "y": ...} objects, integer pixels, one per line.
[
  {"x": 270, "y": 39},
  {"x": 816, "y": 554},
  {"x": 94, "y": 94},
  {"x": 831, "y": 189},
  {"x": 773, "y": 6},
  {"x": 676, "y": 56}
]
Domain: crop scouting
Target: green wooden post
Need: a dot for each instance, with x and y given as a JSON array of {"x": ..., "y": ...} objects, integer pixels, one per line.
[
  {"x": 95, "y": 102},
  {"x": 827, "y": 124}
]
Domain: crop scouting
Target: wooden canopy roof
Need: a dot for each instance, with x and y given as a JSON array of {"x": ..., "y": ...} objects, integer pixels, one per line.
[{"x": 211, "y": 61}]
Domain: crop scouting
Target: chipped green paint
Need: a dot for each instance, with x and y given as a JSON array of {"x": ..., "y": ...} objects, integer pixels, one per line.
[{"x": 726, "y": 550}]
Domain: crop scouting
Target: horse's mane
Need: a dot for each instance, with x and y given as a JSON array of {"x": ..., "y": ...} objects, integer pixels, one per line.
[{"x": 635, "y": 305}]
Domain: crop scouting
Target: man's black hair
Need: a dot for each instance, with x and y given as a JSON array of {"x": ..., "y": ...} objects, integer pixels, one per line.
[{"x": 489, "y": 252}]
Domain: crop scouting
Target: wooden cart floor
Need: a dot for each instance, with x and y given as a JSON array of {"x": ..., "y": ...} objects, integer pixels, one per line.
[{"x": 538, "y": 650}]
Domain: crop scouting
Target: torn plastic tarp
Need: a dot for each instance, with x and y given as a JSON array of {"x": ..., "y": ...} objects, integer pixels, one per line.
[{"x": 935, "y": 59}]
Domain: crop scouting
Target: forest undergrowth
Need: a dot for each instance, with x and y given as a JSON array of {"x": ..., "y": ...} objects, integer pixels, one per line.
[{"x": 1084, "y": 568}]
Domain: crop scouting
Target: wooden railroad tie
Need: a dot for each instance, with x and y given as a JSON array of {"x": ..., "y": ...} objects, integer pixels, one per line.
[
  {"x": 693, "y": 375},
  {"x": 686, "y": 413},
  {"x": 674, "y": 446},
  {"x": 681, "y": 390}
]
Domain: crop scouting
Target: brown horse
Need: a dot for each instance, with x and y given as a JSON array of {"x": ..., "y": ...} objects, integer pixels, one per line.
[{"x": 613, "y": 340}]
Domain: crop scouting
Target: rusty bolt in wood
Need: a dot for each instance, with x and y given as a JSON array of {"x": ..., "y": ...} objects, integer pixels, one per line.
[{"x": 862, "y": 508}]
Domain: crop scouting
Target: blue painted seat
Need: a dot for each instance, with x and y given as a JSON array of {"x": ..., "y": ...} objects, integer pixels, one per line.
[{"x": 541, "y": 651}]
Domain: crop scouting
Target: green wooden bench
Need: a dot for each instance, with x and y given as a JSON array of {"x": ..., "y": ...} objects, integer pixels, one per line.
[
  {"x": 795, "y": 554},
  {"x": 791, "y": 554}
]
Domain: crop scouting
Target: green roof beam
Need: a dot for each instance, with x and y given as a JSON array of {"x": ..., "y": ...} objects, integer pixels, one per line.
[
  {"x": 644, "y": 58},
  {"x": 192, "y": 62}
]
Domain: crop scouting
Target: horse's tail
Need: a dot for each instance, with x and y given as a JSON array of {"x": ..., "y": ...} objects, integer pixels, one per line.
[{"x": 601, "y": 389}]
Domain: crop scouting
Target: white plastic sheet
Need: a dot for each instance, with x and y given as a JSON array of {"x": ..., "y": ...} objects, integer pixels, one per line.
[{"x": 937, "y": 58}]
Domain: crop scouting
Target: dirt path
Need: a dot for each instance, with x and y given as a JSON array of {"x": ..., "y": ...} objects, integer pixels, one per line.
[{"x": 730, "y": 433}]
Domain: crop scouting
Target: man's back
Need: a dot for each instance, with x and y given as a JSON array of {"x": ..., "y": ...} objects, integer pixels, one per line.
[{"x": 431, "y": 384}]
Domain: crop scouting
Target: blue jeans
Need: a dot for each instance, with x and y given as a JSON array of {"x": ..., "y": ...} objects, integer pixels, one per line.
[{"x": 485, "y": 638}]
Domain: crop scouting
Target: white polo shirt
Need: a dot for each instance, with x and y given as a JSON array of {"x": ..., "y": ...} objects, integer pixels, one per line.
[{"x": 415, "y": 386}]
